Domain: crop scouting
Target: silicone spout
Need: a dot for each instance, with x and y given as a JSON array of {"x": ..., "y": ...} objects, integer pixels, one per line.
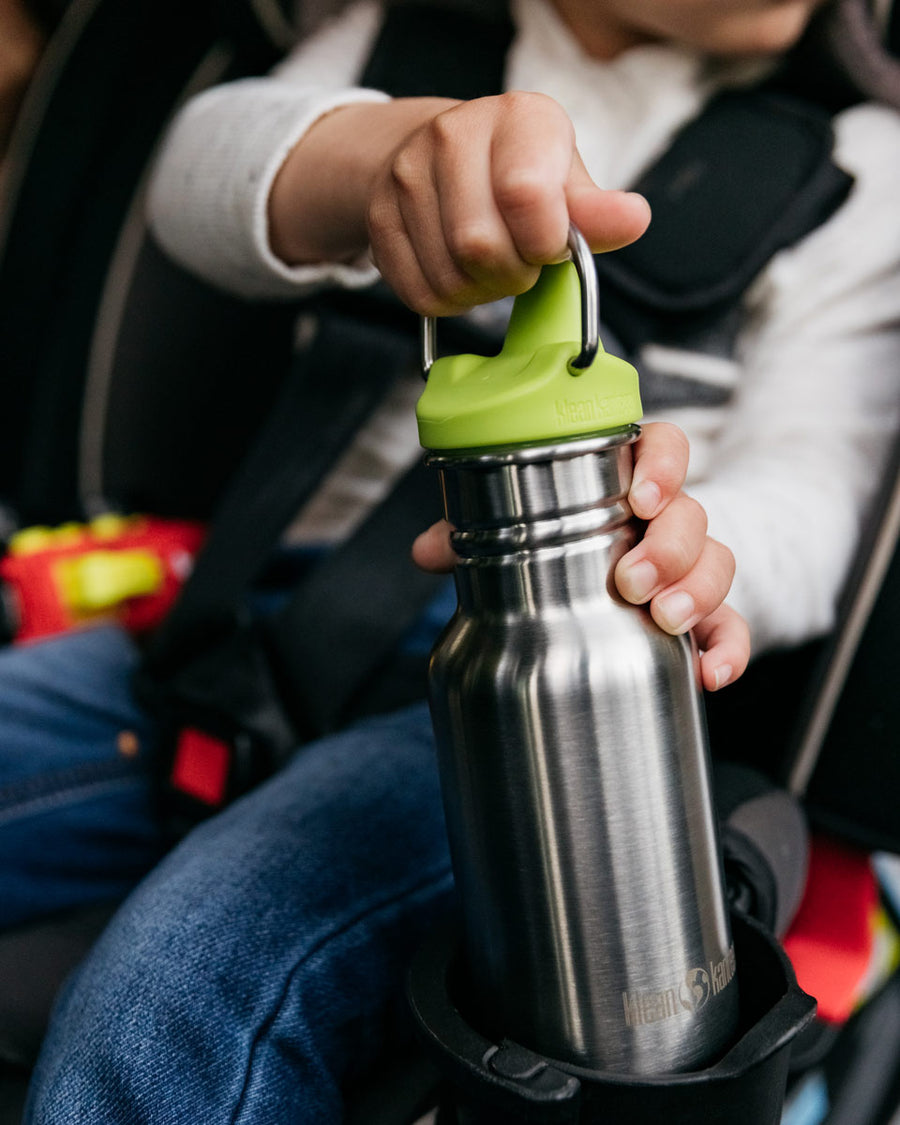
[{"x": 529, "y": 393}]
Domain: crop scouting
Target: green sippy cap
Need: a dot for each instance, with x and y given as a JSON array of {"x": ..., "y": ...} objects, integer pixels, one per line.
[{"x": 532, "y": 391}]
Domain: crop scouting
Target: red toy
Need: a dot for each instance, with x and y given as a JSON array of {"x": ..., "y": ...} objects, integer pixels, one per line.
[
  {"x": 125, "y": 568},
  {"x": 839, "y": 946}
]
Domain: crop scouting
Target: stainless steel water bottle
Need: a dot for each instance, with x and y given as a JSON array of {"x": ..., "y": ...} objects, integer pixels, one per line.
[{"x": 570, "y": 731}]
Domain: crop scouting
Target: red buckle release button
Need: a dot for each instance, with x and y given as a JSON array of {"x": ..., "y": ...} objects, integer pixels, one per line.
[{"x": 201, "y": 765}]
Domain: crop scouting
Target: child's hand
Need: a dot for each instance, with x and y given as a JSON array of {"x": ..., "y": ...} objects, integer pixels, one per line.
[
  {"x": 460, "y": 202},
  {"x": 474, "y": 201},
  {"x": 676, "y": 567}
]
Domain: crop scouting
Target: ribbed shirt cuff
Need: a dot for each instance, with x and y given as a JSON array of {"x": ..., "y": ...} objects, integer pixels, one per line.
[{"x": 226, "y": 151}]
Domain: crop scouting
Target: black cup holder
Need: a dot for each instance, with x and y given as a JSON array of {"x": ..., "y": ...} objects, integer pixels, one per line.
[{"x": 498, "y": 1082}]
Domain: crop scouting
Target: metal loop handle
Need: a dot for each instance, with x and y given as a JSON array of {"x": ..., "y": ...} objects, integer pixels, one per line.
[{"x": 583, "y": 260}]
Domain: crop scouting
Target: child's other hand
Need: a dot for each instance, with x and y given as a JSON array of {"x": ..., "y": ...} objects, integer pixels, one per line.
[
  {"x": 677, "y": 568},
  {"x": 477, "y": 198}
]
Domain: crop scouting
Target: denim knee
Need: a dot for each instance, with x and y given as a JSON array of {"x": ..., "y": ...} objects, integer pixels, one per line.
[{"x": 258, "y": 968}]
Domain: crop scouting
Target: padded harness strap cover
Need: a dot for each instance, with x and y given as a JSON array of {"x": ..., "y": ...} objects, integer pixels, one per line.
[{"x": 710, "y": 236}]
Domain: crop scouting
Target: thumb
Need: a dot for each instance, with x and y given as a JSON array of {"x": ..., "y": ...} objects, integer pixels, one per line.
[{"x": 607, "y": 219}]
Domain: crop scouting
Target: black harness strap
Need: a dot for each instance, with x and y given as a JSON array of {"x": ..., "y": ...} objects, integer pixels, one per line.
[
  {"x": 326, "y": 645},
  {"x": 335, "y": 384},
  {"x": 710, "y": 236},
  {"x": 228, "y": 706}
]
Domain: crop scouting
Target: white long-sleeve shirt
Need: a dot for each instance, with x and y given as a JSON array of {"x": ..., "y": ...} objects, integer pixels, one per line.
[{"x": 786, "y": 468}]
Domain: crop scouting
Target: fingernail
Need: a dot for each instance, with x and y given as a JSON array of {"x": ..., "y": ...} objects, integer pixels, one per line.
[
  {"x": 645, "y": 497},
  {"x": 722, "y": 676},
  {"x": 676, "y": 611},
  {"x": 637, "y": 581}
]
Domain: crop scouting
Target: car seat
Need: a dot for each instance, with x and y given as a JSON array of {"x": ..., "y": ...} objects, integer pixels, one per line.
[{"x": 84, "y": 330}]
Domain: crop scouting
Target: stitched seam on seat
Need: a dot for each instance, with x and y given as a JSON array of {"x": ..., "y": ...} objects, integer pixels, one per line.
[{"x": 369, "y": 912}]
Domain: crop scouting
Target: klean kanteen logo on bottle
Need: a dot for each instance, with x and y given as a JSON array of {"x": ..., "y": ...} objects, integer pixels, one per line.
[{"x": 690, "y": 995}]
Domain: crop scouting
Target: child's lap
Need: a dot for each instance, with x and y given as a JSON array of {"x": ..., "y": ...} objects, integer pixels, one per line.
[
  {"x": 273, "y": 940},
  {"x": 79, "y": 816}
]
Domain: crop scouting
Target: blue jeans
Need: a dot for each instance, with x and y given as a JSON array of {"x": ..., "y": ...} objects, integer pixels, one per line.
[
  {"x": 257, "y": 970},
  {"x": 78, "y": 822}
]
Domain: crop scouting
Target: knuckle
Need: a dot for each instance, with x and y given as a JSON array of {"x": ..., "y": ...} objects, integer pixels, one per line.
[
  {"x": 681, "y": 542},
  {"x": 379, "y": 222},
  {"x": 473, "y": 246},
  {"x": 678, "y": 555},
  {"x": 486, "y": 266},
  {"x": 444, "y": 129},
  {"x": 521, "y": 188},
  {"x": 450, "y": 293},
  {"x": 695, "y": 513},
  {"x": 529, "y": 103},
  {"x": 667, "y": 449},
  {"x": 520, "y": 101},
  {"x": 405, "y": 172},
  {"x": 681, "y": 445},
  {"x": 712, "y": 578},
  {"x": 707, "y": 592},
  {"x": 670, "y": 465},
  {"x": 724, "y": 558},
  {"x": 674, "y": 434}
]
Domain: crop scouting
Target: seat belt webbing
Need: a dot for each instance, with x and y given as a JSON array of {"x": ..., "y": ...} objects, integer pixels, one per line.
[
  {"x": 333, "y": 635},
  {"x": 334, "y": 386}
]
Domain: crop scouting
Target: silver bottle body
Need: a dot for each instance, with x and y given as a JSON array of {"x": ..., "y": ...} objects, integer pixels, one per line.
[{"x": 575, "y": 774}]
